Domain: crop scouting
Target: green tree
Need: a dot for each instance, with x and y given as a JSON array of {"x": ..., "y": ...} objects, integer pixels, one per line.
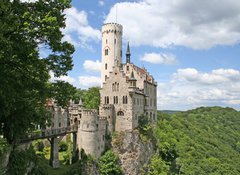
[
  {"x": 108, "y": 164},
  {"x": 158, "y": 166},
  {"x": 200, "y": 141},
  {"x": 24, "y": 29},
  {"x": 90, "y": 97}
]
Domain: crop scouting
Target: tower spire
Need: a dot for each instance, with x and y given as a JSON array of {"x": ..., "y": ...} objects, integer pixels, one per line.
[{"x": 128, "y": 54}]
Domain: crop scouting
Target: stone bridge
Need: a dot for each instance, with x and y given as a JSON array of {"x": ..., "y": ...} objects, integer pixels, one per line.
[{"x": 54, "y": 136}]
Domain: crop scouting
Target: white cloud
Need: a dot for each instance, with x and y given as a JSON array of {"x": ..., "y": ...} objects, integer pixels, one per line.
[
  {"x": 90, "y": 65},
  {"x": 78, "y": 31},
  {"x": 62, "y": 78},
  {"x": 89, "y": 81},
  {"x": 101, "y": 3},
  {"x": 159, "y": 58},
  {"x": 163, "y": 23},
  {"x": 190, "y": 88},
  {"x": 215, "y": 77}
]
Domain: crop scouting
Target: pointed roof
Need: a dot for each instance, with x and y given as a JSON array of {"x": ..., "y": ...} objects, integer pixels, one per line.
[
  {"x": 80, "y": 103},
  {"x": 128, "y": 49},
  {"x": 128, "y": 54},
  {"x": 132, "y": 78}
]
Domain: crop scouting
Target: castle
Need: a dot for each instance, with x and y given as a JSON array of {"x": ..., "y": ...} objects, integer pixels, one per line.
[{"x": 127, "y": 92}]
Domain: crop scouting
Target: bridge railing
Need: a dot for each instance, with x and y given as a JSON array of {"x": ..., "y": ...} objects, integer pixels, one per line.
[{"x": 46, "y": 133}]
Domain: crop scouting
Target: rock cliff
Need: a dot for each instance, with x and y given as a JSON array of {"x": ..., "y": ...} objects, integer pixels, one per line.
[{"x": 134, "y": 154}]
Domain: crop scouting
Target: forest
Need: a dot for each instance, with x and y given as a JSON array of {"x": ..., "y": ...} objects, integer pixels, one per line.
[{"x": 205, "y": 140}]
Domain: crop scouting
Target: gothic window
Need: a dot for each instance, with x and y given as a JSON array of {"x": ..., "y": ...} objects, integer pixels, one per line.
[
  {"x": 126, "y": 99},
  {"x": 127, "y": 68},
  {"x": 115, "y": 41},
  {"x": 106, "y": 52},
  {"x": 115, "y": 100},
  {"x": 106, "y": 66},
  {"x": 107, "y": 100},
  {"x": 120, "y": 113},
  {"x": 113, "y": 89},
  {"x": 106, "y": 41},
  {"x": 117, "y": 86},
  {"x": 105, "y": 77}
]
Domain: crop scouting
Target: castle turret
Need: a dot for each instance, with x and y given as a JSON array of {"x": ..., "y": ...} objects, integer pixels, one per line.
[
  {"x": 111, "y": 48},
  {"x": 128, "y": 54}
]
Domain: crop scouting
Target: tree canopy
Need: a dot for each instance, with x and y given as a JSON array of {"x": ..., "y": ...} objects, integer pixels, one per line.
[
  {"x": 90, "y": 97},
  {"x": 201, "y": 141},
  {"x": 24, "y": 77}
]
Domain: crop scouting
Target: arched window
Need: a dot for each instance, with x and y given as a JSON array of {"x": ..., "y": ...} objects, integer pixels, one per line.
[
  {"x": 107, "y": 100},
  {"x": 105, "y": 77},
  {"x": 106, "y": 51},
  {"x": 120, "y": 113},
  {"x": 116, "y": 99},
  {"x": 125, "y": 101}
]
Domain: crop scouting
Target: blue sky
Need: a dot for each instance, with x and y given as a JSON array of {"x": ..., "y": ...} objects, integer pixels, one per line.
[{"x": 192, "y": 48}]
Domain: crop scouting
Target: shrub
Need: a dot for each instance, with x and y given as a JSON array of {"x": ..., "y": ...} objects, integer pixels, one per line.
[
  {"x": 63, "y": 146},
  {"x": 108, "y": 164}
]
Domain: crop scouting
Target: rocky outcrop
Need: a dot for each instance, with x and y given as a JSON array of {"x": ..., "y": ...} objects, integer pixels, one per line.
[{"x": 134, "y": 154}]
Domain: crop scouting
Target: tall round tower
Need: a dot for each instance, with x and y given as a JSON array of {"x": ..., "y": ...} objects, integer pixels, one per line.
[{"x": 111, "y": 48}]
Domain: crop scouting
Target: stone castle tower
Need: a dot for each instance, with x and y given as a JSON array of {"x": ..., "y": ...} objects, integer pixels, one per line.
[
  {"x": 127, "y": 93},
  {"x": 111, "y": 48}
]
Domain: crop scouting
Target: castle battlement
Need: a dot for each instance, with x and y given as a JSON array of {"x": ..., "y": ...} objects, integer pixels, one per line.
[{"x": 112, "y": 28}]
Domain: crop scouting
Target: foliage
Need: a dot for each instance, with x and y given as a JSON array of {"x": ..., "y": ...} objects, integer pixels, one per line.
[
  {"x": 19, "y": 161},
  {"x": 200, "y": 141},
  {"x": 158, "y": 166},
  {"x": 26, "y": 28},
  {"x": 3, "y": 146},
  {"x": 108, "y": 164},
  {"x": 145, "y": 128},
  {"x": 90, "y": 97},
  {"x": 63, "y": 146},
  {"x": 38, "y": 145}
]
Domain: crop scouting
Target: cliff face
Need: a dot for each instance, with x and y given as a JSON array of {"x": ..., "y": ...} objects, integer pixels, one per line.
[{"x": 134, "y": 154}]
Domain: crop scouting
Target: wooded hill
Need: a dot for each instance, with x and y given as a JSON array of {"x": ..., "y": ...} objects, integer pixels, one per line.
[{"x": 205, "y": 140}]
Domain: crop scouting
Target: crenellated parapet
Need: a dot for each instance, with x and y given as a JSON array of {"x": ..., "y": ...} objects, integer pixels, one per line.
[{"x": 112, "y": 28}]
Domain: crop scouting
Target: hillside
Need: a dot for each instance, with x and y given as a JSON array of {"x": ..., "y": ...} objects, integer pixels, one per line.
[{"x": 205, "y": 140}]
